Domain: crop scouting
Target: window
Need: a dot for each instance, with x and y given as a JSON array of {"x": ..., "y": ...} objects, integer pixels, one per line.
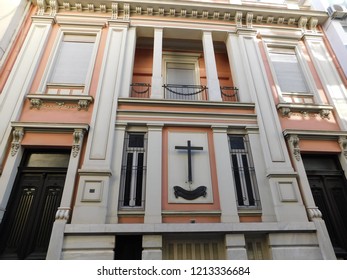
[
  {"x": 133, "y": 170},
  {"x": 243, "y": 171},
  {"x": 73, "y": 59},
  {"x": 182, "y": 78},
  {"x": 290, "y": 76}
]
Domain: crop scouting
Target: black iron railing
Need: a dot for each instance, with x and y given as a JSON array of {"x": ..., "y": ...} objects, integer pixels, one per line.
[
  {"x": 185, "y": 92},
  {"x": 229, "y": 93},
  {"x": 140, "y": 90}
]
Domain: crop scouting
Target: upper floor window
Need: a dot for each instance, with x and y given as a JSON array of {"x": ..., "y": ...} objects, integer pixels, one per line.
[
  {"x": 290, "y": 76},
  {"x": 73, "y": 60},
  {"x": 243, "y": 171},
  {"x": 182, "y": 77}
]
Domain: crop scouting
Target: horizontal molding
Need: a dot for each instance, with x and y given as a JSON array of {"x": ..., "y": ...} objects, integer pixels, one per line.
[
  {"x": 259, "y": 227},
  {"x": 50, "y": 127},
  {"x": 315, "y": 134},
  {"x": 288, "y": 108}
]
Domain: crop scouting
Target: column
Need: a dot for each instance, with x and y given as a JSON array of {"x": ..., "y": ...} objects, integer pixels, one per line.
[
  {"x": 128, "y": 66},
  {"x": 152, "y": 247},
  {"x": 19, "y": 81},
  {"x": 112, "y": 212},
  {"x": 154, "y": 174},
  {"x": 235, "y": 247},
  {"x": 327, "y": 72},
  {"x": 64, "y": 210},
  {"x": 211, "y": 67},
  {"x": 237, "y": 67},
  {"x": 92, "y": 196},
  {"x": 226, "y": 186},
  {"x": 157, "y": 79},
  {"x": 9, "y": 173},
  {"x": 313, "y": 212}
]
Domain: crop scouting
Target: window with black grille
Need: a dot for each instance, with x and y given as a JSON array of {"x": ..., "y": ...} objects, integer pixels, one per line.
[
  {"x": 243, "y": 171},
  {"x": 133, "y": 171}
]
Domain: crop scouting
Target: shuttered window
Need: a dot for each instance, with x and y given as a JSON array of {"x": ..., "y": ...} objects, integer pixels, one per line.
[
  {"x": 288, "y": 71},
  {"x": 73, "y": 60}
]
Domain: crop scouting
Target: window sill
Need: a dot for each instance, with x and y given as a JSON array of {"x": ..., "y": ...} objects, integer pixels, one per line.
[
  {"x": 287, "y": 110},
  {"x": 39, "y": 101}
]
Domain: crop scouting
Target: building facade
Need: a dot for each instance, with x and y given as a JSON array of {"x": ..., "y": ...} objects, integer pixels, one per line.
[{"x": 173, "y": 130}]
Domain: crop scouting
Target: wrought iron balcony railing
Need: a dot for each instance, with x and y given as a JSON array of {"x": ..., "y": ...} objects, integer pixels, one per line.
[
  {"x": 229, "y": 93},
  {"x": 140, "y": 90},
  {"x": 185, "y": 92}
]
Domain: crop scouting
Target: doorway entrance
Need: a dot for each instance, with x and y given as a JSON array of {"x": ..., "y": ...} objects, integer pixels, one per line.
[
  {"x": 26, "y": 228},
  {"x": 329, "y": 189}
]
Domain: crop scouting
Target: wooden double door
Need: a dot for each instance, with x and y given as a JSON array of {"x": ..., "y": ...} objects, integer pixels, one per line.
[
  {"x": 26, "y": 228},
  {"x": 329, "y": 189}
]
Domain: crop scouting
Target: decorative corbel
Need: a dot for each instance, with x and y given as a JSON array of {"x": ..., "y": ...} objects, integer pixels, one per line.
[
  {"x": 259, "y": 19},
  {"x": 83, "y": 104},
  {"x": 343, "y": 145},
  {"x": 313, "y": 22},
  {"x": 238, "y": 19},
  {"x": 249, "y": 20},
  {"x": 172, "y": 12},
  {"x": 91, "y": 8},
  {"x": 150, "y": 11},
  {"x": 194, "y": 13},
  {"x": 291, "y": 21},
  {"x": 161, "y": 12},
  {"x": 183, "y": 13},
  {"x": 285, "y": 112},
  {"x": 314, "y": 213},
  {"x": 270, "y": 20},
  {"x": 325, "y": 114},
  {"x": 205, "y": 14},
  {"x": 114, "y": 9},
  {"x": 226, "y": 16},
  {"x": 216, "y": 15},
  {"x": 103, "y": 8},
  {"x": 66, "y": 6},
  {"x": 77, "y": 141},
  {"x": 302, "y": 23},
  {"x": 294, "y": 143},
  {"x": 41, "y": 4},
  {"x": 280, "y": 20},
  {"x": 138, "y": 10},
  {"x": 126, "y": 15},
  {"x": 54, "y": 7},
  {"x": 63, "y": 213},
  {"x": 17, "y": 134},
  {"x": 79, "y": 7},
  {"x": 36, "y": 103}
]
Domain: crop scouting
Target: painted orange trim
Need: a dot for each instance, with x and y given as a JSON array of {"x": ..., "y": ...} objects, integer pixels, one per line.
[
  {"x": 47, "y": 139},
  {"x": 250, "y": 219},
  {"x": 328, "y": 146},
  {"x": 130, "y": 220},
  {"x": 189, "y": 219}
]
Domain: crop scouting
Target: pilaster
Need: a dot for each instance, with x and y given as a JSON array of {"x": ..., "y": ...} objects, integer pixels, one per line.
[
  {"x": 331, "y": 81},
  {"x": 157, "y": 79},
  {"x": 19, "y": 81},
  {"x": 128, "y": 66},
  {"x": 211, "y": 67},
  {"x": 64, "y": 211},
  {"x": 235, "y": 246},
  {"x": 154, "y": 174},
  {"x": 152, "y": 247},
  {"x": 237, "y": 67},
  {"x": 226, "y": 186}
]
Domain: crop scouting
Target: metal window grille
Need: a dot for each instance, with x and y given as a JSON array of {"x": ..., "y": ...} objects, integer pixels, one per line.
[
  {"x": 133, "y": 176},
  {"x": 243, "y": 172}
]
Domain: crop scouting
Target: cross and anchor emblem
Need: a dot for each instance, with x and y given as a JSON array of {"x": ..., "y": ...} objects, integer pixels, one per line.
[{"x": 199, "y": 191}]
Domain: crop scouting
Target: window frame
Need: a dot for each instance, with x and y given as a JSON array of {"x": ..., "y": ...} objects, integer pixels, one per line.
[
  {"x": 308, "y": 79},
  {"x": 242, "y": 182},
  {"x": 53, "y": 57},
  {"x": 124, "y": 174}
]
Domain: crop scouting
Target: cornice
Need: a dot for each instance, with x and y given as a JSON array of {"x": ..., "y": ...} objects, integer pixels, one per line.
[
  {"x": 50, "y": 127},
  {"x": 243, "y": 15}
]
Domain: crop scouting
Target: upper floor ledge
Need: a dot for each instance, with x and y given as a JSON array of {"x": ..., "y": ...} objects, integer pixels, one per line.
[
  {"x": 186, "y": 103},
  {"x": 240, "y": 12}
]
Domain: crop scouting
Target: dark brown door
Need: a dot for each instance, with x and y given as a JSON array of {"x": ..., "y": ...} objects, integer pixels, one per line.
[
  {"x": 28, "y": 221},
  {"x": 329, "y": 190}
]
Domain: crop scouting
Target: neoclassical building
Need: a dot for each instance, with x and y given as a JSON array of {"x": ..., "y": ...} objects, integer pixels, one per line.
[{"x": 172, "y": 130}]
